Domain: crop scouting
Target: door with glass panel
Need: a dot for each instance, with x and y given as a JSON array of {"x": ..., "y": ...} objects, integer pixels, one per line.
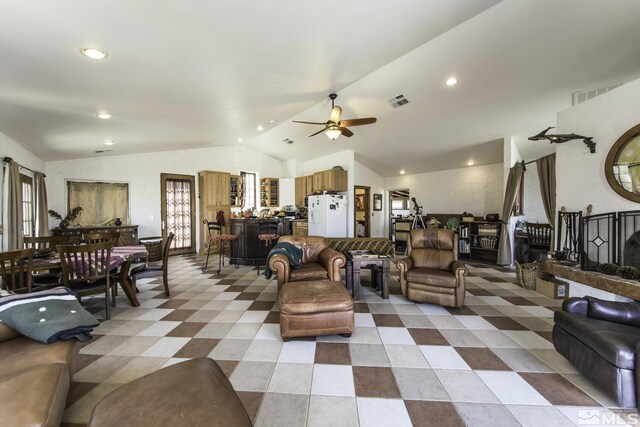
[{"x": 178, "y": 211}]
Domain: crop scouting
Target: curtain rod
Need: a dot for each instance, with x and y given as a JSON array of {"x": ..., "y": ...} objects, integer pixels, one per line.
[
  {"x": 533, "y": 161},
  {"x": 8, "y": 159}
]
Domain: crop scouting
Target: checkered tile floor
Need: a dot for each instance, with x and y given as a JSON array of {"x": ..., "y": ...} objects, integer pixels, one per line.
[{"x": 490, "y": 363}]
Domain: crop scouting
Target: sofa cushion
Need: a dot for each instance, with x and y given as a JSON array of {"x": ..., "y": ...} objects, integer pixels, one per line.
[
  {"x": 23, "y": 353},
  {"x": 627, "y": 313},
  {"x": 310, "y": 271},
  {"x": 34, "y": 396},
  {"x": 8, "y": 333},
  {"x": 314, "y": 297},
  {"x": 432, "y": 277},
  {"x": 614, "y": 342}
]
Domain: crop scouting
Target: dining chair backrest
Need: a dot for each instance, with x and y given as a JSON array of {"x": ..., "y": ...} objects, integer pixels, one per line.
[
  {"x": 15, "y": 267},
  {"x": 165, "y": 251},
  {"x": 45, "y": 244},
  {"x": 538, "y": 235},
  {"x": 101, "y": 237},
  {"x": 85, "y": 263},
  {"x": 215, "y": 229}
]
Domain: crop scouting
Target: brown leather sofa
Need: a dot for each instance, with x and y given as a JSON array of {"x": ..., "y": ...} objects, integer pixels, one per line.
[
  {"x": 319, "y": 261},
  {"x": 34, "y": 379},
  {"x": 432, "y": 273},
  {"x": 602, "y": 339}
]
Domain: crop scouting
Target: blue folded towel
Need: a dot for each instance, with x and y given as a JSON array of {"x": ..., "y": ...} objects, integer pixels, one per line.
[{"x": 291, "y": 251}]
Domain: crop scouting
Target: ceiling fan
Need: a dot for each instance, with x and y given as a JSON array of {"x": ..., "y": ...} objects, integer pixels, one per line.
[{"x": 335, "y": 127}]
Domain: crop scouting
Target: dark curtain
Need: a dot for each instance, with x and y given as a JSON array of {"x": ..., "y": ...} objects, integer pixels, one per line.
[
  {"x": 41, "y": 214},
  {"x": 514, "y": 181},
  {"x": 13, "y": 225},
  {"x": 547, "y": 176}
]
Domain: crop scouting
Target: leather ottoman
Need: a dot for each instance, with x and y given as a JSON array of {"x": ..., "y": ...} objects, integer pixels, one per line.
[
  {"x": 192, "y": 393},
  {"x": 311, "y": 308}
]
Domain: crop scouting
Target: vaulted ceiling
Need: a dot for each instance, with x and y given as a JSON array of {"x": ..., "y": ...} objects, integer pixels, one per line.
[{"x": 208, "y": 73}]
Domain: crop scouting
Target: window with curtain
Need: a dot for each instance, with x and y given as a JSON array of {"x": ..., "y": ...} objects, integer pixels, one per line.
[
  {"x": 249, "y": 187},
  {"x": 27, "y": 206},
  {"x": 101, "y": 202},
  {"x": 518, "y": 207}
]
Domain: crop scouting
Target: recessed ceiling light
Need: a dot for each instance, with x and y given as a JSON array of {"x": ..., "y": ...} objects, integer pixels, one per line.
[
  {"x": 109, "y": 142},
  {"x": 104, "y": 115},
  {"x": 470, "y": 163},
  {"x": 260, "y": 128},
  {"x": 451, "y": 81},
  {"x": 271, "y": 121},
  {"x": 402, "y": 172},
  {"x": 240, "y": 139},
  {"x": 94, "y": 53}
]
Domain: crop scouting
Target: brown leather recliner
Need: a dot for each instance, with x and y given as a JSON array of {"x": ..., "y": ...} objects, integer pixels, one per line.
[
  {"x": 319, "y": 261},
  {"x": 432, "y": 273}
]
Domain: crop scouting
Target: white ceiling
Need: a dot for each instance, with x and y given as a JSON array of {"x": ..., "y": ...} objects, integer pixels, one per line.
[{"x": 205, "y": 73}]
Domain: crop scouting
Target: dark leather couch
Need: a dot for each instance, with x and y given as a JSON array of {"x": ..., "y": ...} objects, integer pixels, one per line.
[
  {"x": 601, "y": 339},
  {"x": 319, "y": 261}
]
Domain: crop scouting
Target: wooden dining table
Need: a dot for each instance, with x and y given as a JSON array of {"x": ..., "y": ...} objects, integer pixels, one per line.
[{"x": 121, "y": 257}]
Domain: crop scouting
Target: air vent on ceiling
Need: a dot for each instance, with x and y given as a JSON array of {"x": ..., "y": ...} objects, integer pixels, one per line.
[
  {"x": 288, "y": 141},
  {"x": 102, "y": 151},
  {"x": 398, "y": 101},
  {"x": 585, "y": 95}
]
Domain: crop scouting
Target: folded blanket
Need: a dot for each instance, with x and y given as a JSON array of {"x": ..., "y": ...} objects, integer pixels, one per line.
[
  {"x": 291, "y": 251},
  {"x": 47, "y": 316}
]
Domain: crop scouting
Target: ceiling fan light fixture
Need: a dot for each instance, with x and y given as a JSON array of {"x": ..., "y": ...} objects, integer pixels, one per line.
[{"x": 333, "y": 133}]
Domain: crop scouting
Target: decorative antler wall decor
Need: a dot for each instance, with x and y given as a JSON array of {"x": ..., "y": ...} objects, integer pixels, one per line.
[{"x": 560, "y": 138}]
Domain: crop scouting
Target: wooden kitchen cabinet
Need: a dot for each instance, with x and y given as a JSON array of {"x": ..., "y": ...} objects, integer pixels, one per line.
[
  {"x": 214, "y": 191},
  {"x": 301, "y": 190},
  {"x": 269, "y": 192},
  {"x": 310, "y": 187},
  {"x": 330, "y": 180},
  {"x": 300, "y": 228}
]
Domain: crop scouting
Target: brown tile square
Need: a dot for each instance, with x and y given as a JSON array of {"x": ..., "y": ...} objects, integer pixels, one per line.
[
  {"x": 83, "y": 360},
  {"x": 94, "y": 338},
  {"x": 248, "y": 296},
  {"x": 77, "y": 390},
  {"x": 395, "y": 290},
  {"x": 333, "y": 353},
  {"x": 227, "y": 366},
  {"x": 495, "y": 279},
  {"x": 197, "y": 347},
  {"x": 504, "y": 323},
  {"x": 425, "y": 413},
  {"x": 224, "y": 282},
  {"x": 547, "y": 335},
  {"x": 375, "y": 382},
  {"x": 390, "y": 320},
  {"x": 72, "y": 425},
  {"x": 480, "y": 292},
  {"x": 251, "y": 401},
  {"x": 173, "y": 303},
  {"x": 272, "y": 317},
  {"x": 462, "y": 311},
  {"x": 262, "y": 305},
  {"x": 361, "y": 307},
  {"x": 519, "y": 301},
  {"x": 179, "y": 315},
  {"x": 186, "y": 329},
  {"x": 235, "y": 288},
  {"x": 558, "y": 390},
  {"x": 482, "y": 359},
  {"x": 427, "y": 337}
]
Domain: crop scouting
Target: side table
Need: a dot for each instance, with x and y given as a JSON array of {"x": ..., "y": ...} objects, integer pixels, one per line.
[{"x": 356, "y": 261}]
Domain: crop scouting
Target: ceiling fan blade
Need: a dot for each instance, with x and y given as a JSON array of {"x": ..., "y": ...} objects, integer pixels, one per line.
[
  {"x": 320, "y": 131},
  {"x": 346, "y": 132},
  {"x": 309, "y": 123},
  {"x": 335, "y": 114},
  {"x": 358, "y": 122}
]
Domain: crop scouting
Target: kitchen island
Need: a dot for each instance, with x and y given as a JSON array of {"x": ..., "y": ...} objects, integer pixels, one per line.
[{"x": 247, "y": 249}]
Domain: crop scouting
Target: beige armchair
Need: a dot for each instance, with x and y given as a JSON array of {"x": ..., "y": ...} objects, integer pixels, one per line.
[
  {"x": 319, "y": 261},
  {"x": 432, "y": 273}
]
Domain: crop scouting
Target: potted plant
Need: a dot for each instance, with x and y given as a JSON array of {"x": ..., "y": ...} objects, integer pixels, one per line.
[{"x": 71, "y": 216}]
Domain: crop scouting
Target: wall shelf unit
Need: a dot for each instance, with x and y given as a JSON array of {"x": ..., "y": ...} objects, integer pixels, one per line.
[{"x": 479, "y": 241}]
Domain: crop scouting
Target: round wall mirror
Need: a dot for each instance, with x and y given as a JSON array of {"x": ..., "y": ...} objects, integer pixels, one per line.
[{"x": 622, "y": 167}]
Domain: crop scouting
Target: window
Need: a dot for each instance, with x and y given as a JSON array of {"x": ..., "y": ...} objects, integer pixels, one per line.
[
  {"x": 28, "y": 223},
  {"x": 249, "y": 187},
  {"x": 101, "y": 202}
]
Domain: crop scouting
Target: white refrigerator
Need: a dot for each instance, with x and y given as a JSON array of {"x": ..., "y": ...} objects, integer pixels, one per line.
[{"x": 327, "y": 215}]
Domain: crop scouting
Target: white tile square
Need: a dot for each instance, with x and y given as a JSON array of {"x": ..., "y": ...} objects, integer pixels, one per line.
[
  {"x": 294, "y": 378},
  {"x": 377, "y": 412},
  {"x": 395, "y": 336},
  {"x": 165, "y": 347},
  {"x": 511, "y": 388},
  {"x": 263, "y": 351},
  {"x": 364, "y": 320},
  {"x": 537, "y": 311},
  {"x": 433, "y": 310},
  {"x": 528, "y": 339},
  {"x": 475, "y": 322},
  {"x": 333, "y": 380},
  {"x": 406, "y": 356},
  {"x": 241, "y": 305},
  {"x": 155, "y": 314},
  {"x": 227, "y": 296},
  {"x": 298, "y": 352},
  {"x": 253, "y": 317},
  {"x": 269, "y": 331},
  {"x": 443, "y": 357},
  {"x": 243, "y": 331},
  {"x": 159, "y": 329}
]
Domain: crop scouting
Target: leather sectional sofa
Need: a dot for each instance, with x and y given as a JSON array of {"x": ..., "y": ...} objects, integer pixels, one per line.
[
  {"x": 602, "y": 338},
  {"x": 34, "y": 379}
]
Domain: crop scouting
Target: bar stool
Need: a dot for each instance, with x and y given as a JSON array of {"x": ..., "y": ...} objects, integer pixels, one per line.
[
  {"x": 267, "y": 233},
  {"x": 216, "y": 237}
]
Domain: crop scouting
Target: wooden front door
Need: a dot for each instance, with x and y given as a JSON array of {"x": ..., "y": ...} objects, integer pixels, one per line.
[{"x": 178, "y": 211}]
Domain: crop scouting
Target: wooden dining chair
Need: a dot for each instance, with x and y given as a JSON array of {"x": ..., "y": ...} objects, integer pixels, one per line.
[
  {"x": 145, "y": 270},
  {"x": 268, "y": 237},
  {"x": 86, "y": 269},
  {"x": 101, "y": 237},
  {"x": 45, "y": 244},
  {"x": 16, "y": 268},
  {"x": 538, "y": 241},
  {"x": 217, "y": 238}
]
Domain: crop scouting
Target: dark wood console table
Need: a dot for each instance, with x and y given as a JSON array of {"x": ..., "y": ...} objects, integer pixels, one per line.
[{"x": 128, "y": 233}]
